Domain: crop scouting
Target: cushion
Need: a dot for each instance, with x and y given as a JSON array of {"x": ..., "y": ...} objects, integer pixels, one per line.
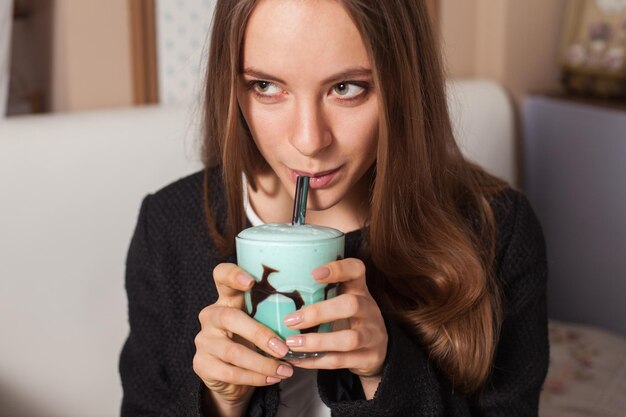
[{"x": 587, "y": 374}]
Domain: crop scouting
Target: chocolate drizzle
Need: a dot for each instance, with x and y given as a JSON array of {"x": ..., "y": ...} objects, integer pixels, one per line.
[{"x": 263, "y": 289}]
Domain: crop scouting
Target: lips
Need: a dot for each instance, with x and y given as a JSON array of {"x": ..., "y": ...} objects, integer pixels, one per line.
[{"x": 317, "y": 180}]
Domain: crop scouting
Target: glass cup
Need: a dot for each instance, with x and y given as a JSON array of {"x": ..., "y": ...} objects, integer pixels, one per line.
[{"x": 281, "y": 257}]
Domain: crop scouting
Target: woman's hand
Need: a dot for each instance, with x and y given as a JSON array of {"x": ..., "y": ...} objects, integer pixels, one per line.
[
  {"x": 226, "y": 359},
  {"x": 359, "y": 337}
]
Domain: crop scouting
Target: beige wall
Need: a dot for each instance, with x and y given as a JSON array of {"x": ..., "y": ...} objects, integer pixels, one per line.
[
  {"x": 492, "y": 31},
  {"x": 458, "y": 36},
  {"x": 91, "y": 65},
  {"x": 514, "y": 42},
  {"x": 532, "y": 46}
]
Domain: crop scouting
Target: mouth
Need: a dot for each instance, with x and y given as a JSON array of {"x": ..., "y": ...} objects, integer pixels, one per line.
[{"x": 316, "y": 180}]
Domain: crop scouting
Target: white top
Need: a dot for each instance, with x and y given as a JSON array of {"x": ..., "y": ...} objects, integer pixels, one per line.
[{"x": 298, "y": 395}]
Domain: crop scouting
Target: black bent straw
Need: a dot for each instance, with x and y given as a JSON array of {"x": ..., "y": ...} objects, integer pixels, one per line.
[{"x": 299, "y": 201}]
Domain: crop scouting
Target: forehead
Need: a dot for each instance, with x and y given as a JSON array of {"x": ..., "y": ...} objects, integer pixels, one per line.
[{"x": 302, "y": 35}]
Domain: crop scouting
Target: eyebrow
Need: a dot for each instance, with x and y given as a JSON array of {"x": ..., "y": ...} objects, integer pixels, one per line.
[{"x": 347, "y": 74}]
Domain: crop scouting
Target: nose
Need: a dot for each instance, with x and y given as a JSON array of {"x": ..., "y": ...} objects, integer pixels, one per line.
[{"x": 311, "y": 133}]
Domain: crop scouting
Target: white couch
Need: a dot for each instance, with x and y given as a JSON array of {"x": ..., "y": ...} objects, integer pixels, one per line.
[{"x": 70, "y": 189}]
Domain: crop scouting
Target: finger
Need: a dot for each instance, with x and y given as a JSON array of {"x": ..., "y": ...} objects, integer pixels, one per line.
[
  {"x": 242, "y": 357},
  {"x": 329, "y": 360},
  {"x": 214, "y": 372},
  {"x": 231, "y": 280},
  {"x": 361, "y": 362},
  {"x": 340, "y": 341},
  {"x": 343, "y": 306},
  {"x": 233, "y": 320},
  {"x": 349, "y": 271}
]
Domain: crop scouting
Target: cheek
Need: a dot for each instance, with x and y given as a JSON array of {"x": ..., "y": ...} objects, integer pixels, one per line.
[
  {"x": 359, "y": 132},
  {"x": 266, "y": 127}
]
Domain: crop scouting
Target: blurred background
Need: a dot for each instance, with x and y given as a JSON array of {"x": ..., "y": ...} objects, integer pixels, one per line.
[
  {"x": 100, "y": 105},
  {"x": 74, "y": 55}
]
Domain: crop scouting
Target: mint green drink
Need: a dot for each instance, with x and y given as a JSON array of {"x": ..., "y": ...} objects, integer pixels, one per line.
[{"x": 280, "y": 257}]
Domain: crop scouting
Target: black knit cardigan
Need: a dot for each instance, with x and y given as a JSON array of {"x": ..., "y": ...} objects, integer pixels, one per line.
[{"x": 169, "y": 281}]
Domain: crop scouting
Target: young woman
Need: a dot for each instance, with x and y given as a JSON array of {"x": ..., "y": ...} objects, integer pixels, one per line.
[{"x": 442, "y": 305}]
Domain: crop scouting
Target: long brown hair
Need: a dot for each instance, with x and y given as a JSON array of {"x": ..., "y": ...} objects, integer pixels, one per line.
[{"x": 430, "y": 243}]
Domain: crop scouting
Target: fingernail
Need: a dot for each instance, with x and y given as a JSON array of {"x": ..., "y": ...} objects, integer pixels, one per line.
[
  {"x": 321, "y": 273},
  {"x": 284, "y": 370},
  {"x": 272, "y": 380},
  {"x": 295, "y": 341},
  {"x": 278, "y": 346},
  {"x": 293, "y": 319},
  {"x": 245, "y": 280}
]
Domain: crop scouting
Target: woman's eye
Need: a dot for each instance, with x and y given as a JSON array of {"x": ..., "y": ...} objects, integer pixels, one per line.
[
  {"x": 265, "y": 87},
  {"x": 348, "y": 90}
]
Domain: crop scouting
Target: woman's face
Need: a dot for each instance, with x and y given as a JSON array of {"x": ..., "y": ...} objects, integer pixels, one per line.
[{"x": 306, "y": 91}]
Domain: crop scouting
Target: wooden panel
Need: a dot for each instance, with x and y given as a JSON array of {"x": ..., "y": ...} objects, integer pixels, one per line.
[{"x": 143, "y": 38}]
